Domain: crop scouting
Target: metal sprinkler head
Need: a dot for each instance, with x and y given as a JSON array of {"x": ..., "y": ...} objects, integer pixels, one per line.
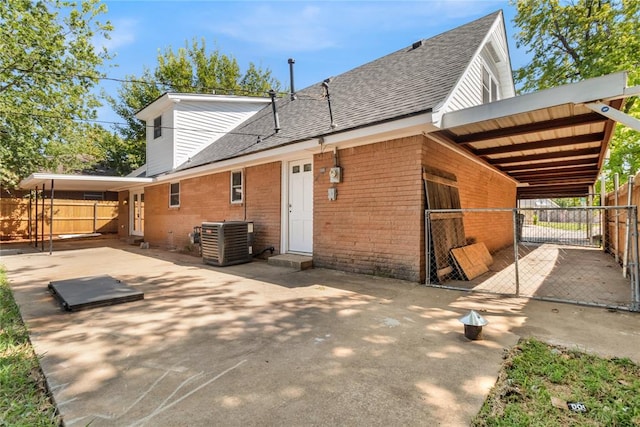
[{"x": 473, "y": 324}]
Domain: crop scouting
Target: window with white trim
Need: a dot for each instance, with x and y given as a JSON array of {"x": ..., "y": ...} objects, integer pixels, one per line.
[
  {"x": 489, "y": 87},
  {"x": 174, "y": 195},
  {"x": 157, "y": 127},
  {"x": 236, "y": 187}
]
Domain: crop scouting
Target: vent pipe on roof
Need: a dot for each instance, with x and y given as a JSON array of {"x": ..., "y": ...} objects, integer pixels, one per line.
[
  {"x": 276, "y": 120},
  {"x": 416, "y": 44},
  {"x": 293, "y": 90}
]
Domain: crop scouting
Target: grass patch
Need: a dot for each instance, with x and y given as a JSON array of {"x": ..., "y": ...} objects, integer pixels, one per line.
[
  {"x": 534, "y": 372},
  {"x": 24, "y": 399}
]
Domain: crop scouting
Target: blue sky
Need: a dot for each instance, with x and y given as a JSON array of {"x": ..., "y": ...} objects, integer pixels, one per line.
[{"x": 325, "y": 38}]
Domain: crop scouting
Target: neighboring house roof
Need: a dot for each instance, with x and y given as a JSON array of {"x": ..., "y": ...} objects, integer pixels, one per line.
[{"x": 408, "y": 82}]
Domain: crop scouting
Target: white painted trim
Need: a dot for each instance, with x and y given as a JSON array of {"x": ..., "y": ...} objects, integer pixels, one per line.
[
  {"x": 164, "y": 102},
  {"x": 284, "y": 206},
  {"x": 242, "y": 187},
  {"x": 410, "y": 126},
  {"x": 140, "y": 191},
  {"x": 603, "y": 87},
  {"x": 284, "y": 209},
  {"x": 82, "y": 182},
  {"x": 179, "y": 191}
]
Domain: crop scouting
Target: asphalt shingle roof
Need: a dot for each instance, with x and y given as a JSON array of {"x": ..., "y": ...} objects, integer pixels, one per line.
[{"x": 407, "y": 82}]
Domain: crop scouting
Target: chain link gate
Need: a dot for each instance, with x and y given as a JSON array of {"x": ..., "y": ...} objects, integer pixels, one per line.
[{"x": 579, "y": 255}]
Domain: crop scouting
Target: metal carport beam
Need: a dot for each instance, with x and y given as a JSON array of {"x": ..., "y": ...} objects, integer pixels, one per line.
[{"x": 614, "y": 114}]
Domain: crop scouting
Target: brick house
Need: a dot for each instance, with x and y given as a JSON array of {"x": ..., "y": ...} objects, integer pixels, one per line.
[
  {"x": 339, "y": 172},
  {"x": 382, "y": 115}
]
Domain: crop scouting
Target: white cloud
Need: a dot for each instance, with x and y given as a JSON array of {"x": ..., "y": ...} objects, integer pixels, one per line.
[
  {"x": 304, "y": 27},
  {"x": 123, "y": 34},
  {"x": 275, "y": 29}
]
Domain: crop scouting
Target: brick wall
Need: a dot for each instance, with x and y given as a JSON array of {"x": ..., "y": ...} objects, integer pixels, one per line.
[
  {"x": 374, "y": 226},
  {"x": 377, "y": 224},
  {"x": 479, "y": 187},
  {"x": 207, "y": 198},
  {"x": 263, "y": 198}
]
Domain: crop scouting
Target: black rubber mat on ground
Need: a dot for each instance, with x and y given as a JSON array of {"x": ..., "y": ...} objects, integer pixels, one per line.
[{"x": 89, "y": 292}]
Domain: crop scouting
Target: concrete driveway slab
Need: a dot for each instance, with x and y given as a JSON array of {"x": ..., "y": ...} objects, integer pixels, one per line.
[{"x": 256, "y": 344}]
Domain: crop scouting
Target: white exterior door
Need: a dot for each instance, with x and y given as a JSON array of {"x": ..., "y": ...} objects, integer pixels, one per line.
[
  {"x": 301, "y": 206},
  {"x": 136, "y": 203}
]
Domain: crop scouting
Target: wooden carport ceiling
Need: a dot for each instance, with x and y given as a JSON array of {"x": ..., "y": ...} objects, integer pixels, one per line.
[{"x": 556, "y": 151}]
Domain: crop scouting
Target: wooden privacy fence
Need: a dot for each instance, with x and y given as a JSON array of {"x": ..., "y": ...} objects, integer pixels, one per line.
[
  {"x": 616, "y": 224},
  {"x": 18, "y": 217}
]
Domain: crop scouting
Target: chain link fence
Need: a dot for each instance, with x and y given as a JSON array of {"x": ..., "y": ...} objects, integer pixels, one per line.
[{"x": 550, "y": 254}]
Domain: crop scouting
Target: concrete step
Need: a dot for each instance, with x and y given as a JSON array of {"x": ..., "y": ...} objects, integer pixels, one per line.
[
  {"x": 298, "y": 262},
  {"x": 133, "y": 240}
]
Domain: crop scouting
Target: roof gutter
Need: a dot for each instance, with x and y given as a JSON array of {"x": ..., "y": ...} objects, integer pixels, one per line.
[{"x": 413, "y": 124}]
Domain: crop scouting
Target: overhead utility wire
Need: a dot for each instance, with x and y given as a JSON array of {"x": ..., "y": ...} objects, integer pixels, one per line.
[
  {"x": 166, "y": 84},
  {"x": 146, "y": 82},
  {"x": 77, "y": 119}
]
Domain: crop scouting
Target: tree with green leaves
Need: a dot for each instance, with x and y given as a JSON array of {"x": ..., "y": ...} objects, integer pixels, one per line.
[
  {"x": 189, "y": 69},
  {"x": 575, "y": 40},
  {"x": 48, "y": 66}
]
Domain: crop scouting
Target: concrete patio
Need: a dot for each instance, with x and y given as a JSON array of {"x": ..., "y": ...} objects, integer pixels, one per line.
[{"x": 257, "y": 344}]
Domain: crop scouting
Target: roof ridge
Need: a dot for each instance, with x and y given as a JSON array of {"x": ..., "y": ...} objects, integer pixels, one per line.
[{"x": 408, "y": 81}]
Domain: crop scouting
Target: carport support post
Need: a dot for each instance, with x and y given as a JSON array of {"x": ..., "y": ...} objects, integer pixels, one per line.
[
  {"x": 627, "y": 239},
  {"x": 51, "y": 221},
  {"x": 634, "y": 265},
  {"x": 42, "y": 222},
  {"x": 427, "y": 246},
  {"x": 616, "y": 216},
  {"x": 36, "y": 227},
  {"x": 515, "y": 251},
  {"x": 603, "y": 212},
  {"x": 588, "y": 216},
  {"x": 95, "y": 216}
]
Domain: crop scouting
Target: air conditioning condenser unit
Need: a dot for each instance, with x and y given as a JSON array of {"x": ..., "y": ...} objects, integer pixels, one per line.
[{"x": 226, "y": 243}]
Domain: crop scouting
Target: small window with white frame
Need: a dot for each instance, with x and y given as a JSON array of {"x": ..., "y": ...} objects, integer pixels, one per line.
[
  {"x": 489, "y": 87},
  {"x": 174, "y": 195},
  {"x": 236, "y": 187},
  {"x": 157, "y": 127}
]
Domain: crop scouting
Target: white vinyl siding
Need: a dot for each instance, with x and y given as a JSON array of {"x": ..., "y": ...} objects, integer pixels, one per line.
[
  {"x": 200, "y": 124},
  {"x": 468, "y": 92},
  {"x": 160, "y": 150},
  {"x": 492, "y": 56},
  {"x": 190, "y": 123}
]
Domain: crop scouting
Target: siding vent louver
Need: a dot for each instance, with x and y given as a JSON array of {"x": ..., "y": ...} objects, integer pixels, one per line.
[
  {"x": 492, "y": 51},
  {"x": 226, "y": 243}
]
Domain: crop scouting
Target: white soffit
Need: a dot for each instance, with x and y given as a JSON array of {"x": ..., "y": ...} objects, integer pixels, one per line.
[
  {"x": 81, "y": 182},
  {"x": 610, "y": 86}
]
